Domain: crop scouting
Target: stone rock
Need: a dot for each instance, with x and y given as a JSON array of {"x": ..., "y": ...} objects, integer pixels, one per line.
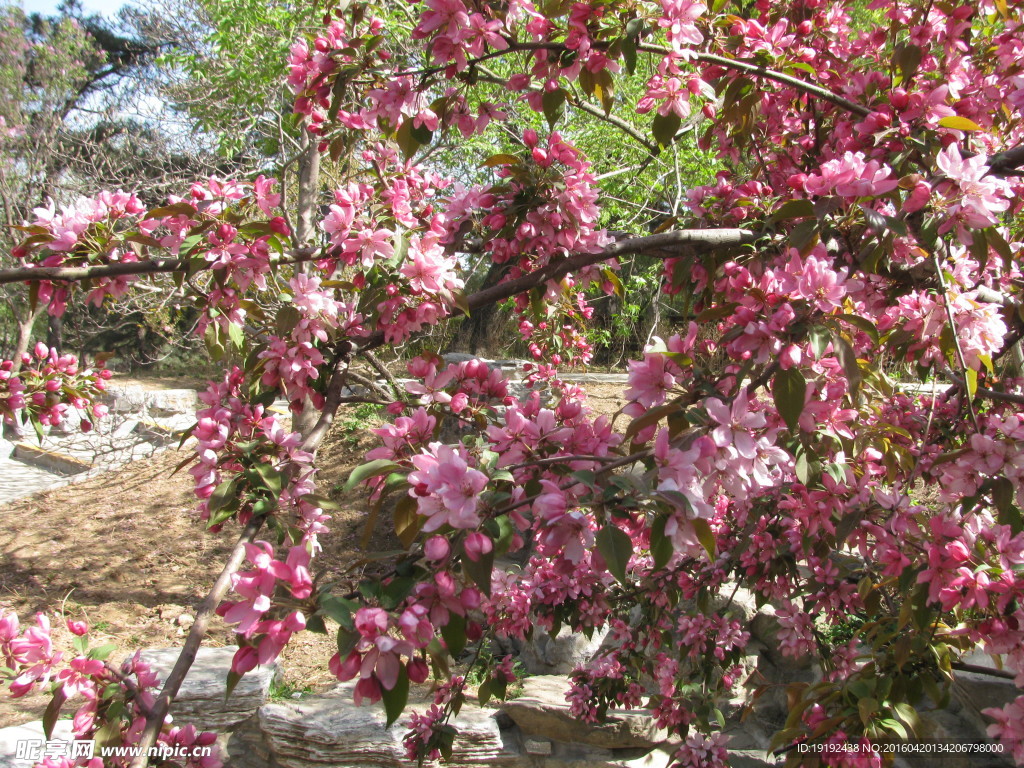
[
  {"x": 33, "y": 732},
  {"x": 765, "y": 628},
  {"x": 541, "y": 712},
  {"x": 976, "y": 691},
  {"x": 330, "y": 730},
  {"x": 534, "y": 747},
  {"x": 545, "y": 655},
  {"x": 156, "y": 402},
  {"x": 577, "y": 755},
  {"x": 753, "y": 758},
  {"x": 201, "y": 698}
]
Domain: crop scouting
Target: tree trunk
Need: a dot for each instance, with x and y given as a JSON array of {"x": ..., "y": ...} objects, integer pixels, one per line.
[
  {"x": 309, "y": 182},
  {"x": 25, "y": 326},
  {"x": 55, "y": 334}
]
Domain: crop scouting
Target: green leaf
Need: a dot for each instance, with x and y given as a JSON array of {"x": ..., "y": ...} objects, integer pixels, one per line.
[
  {"x": 177, "y": 209},
  {"x": 408, "y": 520},
  {"x": 499, "y": 159},
  {"x": 232, "y": 681},
  {"x": 867, "y": 707},
  {"x": 407, "y": 142},
  {"x": 347, "y": 640},
  {"x": 629, "y": 53},
  {"x": 789, "y": 389},
  {"x": 459, "y": 300},
  {"x": 270, "y": 478},
  {"x": 421, "y": 134},
  {"x": 237, "y": 335},
  {"x": 480, "y": 570},
  {"x": 454, "y": 634},
  {"x": 650, "y": 417},
  {"x": 287, "y": 318},
  {"x": 336, "y": 608},
  {"x": 819, "y": 338},
  {"x": 483, "y": 693},
  {"x": 53, "y": 711},
  {"x": 848, "y": 359},
  {"x": 1002, "y": 493},
  {"x": 793, "y": 209},
  {"x": 971, "y": 377},
  {"x": 705, "y": 536},
  {"x": 100, "y": 653},
  {"x": 223, "y": 495},
  {"x": 861, "y": 323},
  {"x": 665, "y": 128},
  {"x": 616, "y": 548},
  {"x": 661, "y": 545},
  {"x": 553, "y": 103},
  {"x": 895, "y": 726},
  {"x": 958, "y": 123},
  {"x": 373, "y": 468}
]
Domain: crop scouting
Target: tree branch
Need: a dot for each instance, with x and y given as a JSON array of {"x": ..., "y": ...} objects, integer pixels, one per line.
[
  {"x": 150, "y": 266},
  {"x": 980, "y": 670},
  {"x": 779, "y": 77},
  {"x": 1006, "y": 162},
  {"x": 332, "y": 399},
  {"x": 990, "y": 394},
  {"x": 158, "y": 713}
]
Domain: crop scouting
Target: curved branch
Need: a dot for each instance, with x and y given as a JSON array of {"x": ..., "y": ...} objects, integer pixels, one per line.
[
  {"x": 652, "y": 244},
  {"x": 779, "y": 77},
  {"x": 663, "y": 245},
  {"x": 332, "y": 399},
  {"x": 158, "y": 712},
  {"x": 150, "y": 266},
  {"x": 1007, "y": 162}
]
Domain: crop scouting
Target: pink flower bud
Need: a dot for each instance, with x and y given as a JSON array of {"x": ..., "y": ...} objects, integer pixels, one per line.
[
  {"x": 347, "y": 669},
  {"x": 470, "y": 598},
  {"x": 530, "y": 138},
  {"x": 436, "y": 548},
  {"x": 77, "y": 627},
  {"x": 41, "y": 350},
  {"x": 477, "y": 545},
  {"x": 418, "y": 670},
  {"x": 918, "y": 198},
  {"x": 789, "y": 357},
  {"x": 245, "y": 659}
]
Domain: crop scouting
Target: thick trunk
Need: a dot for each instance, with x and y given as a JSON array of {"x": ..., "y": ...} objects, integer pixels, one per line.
[{"x": 309, "y": 182}]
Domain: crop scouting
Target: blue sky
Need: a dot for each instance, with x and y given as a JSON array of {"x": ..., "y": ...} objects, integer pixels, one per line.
[{"x": 47, "y": 7}]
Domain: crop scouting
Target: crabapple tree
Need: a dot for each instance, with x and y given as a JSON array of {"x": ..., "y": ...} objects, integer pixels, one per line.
[{"x": 863, "y": 232}]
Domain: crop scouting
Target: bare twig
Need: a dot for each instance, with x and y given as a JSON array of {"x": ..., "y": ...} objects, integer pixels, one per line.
[
  {"x": 384, "y": 372},
  {"x": 956, "y": 340}
]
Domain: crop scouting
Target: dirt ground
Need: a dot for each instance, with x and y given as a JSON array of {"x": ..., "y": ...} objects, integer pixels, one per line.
[{"x": 126, "y": 552}]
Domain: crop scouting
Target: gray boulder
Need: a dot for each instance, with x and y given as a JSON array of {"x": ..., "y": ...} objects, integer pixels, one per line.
[
  {"x": 201, "y": 698},
  {"x": 542, "y": 712},
  {"x": 330, "y": 730}
]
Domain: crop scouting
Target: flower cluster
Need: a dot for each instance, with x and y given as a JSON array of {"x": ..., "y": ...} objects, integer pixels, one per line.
[
  {"x": 32, "y": 662},
  {"x": 47, "y": 386}
]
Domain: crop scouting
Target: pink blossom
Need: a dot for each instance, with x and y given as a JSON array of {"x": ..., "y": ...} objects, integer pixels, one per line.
[{"x": 446, "y": 488}]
